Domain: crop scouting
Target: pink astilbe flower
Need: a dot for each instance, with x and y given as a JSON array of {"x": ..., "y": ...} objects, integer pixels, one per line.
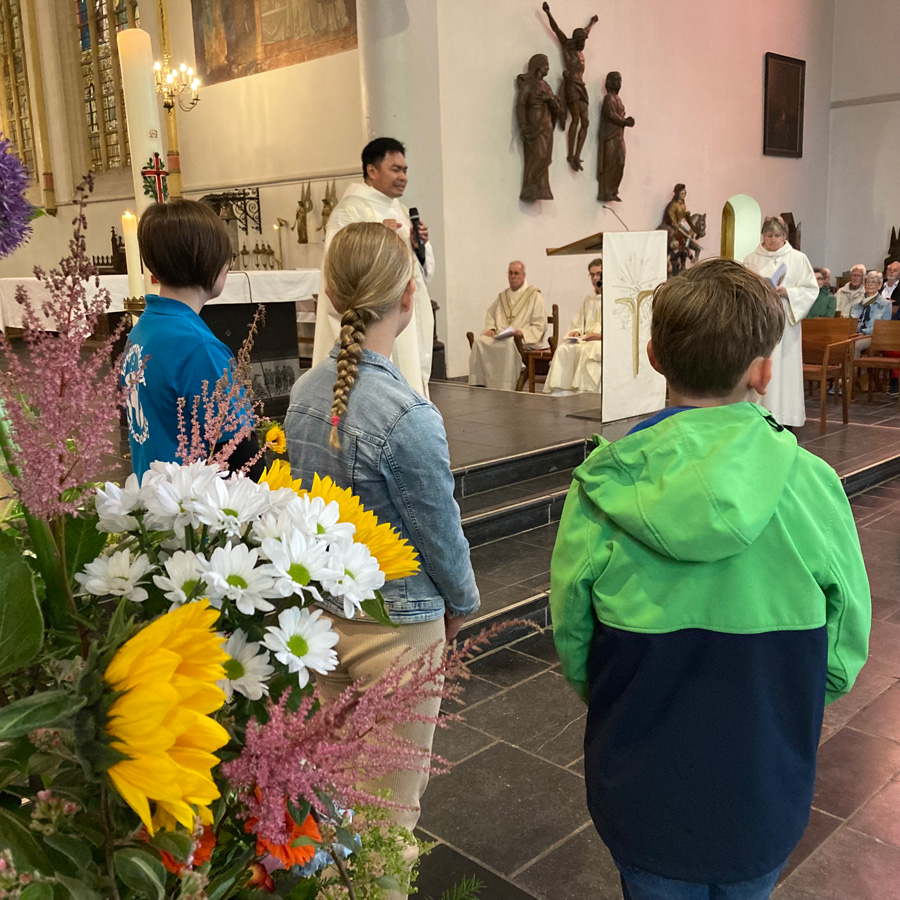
[
  {"x": 229, "y": 409},
  {"x": 349, "y": 740},
  {"x": 61, "y": 403}
]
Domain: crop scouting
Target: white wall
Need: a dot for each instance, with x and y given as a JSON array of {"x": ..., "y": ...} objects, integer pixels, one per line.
[
  {"x": 864, "y": 180},
  {"x": 692, "y": 79}
]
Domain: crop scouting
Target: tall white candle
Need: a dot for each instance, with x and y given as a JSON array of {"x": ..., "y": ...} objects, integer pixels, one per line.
[
  {"x": 141, "y": 107},
  {"x": 132, "y": 255}
]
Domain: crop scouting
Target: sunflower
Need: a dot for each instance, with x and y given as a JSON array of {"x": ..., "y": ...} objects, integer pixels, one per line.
[
  {"x": 396, "y": 556},
  {"x": 279, "y": 476},
  {"x": 165, "y": 677},
  {"x": 276, "y": 440}
]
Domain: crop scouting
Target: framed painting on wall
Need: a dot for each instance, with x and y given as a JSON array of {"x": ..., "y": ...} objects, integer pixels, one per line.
[
  {"x": 235, "y": 38},
  {"x": 785, "y": 85}
]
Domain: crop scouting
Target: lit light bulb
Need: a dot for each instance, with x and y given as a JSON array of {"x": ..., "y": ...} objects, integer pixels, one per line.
[
  {"x": 183, "y": 67},
  {"x": 157, "y": 65},
  {"x": 170, "y": 78},
  {"x": 190, "y": 71},
  {"x": 195, "y": 84}
]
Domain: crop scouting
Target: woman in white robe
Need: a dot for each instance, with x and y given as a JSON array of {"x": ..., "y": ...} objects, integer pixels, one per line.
[{"x": 798, "y": 290}]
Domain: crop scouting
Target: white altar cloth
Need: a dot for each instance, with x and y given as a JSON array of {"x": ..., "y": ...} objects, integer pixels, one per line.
[{"x": 278, "y": 286}]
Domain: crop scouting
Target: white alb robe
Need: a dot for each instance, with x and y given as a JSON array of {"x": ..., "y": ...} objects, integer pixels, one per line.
[
  {"x": 577, "y": 366},
  {"x": 784, "y": 397},
  {"x": 495, "y": 362},
  {"x": 413, "y": 346}
]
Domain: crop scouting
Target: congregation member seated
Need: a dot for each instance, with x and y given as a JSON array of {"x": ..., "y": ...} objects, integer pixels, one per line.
[
  {"x": 891, "y": 289},
  {"x": 871, "y": 307},
  {"x": 576, "y": 362},
  {"x": 852, "y": 292},
  {"x": 824, "y": 305},
  {"x": 519, "y": 310}
]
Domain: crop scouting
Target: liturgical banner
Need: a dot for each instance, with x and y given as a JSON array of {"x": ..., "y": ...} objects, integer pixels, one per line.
[{"x": 634, "y": 263}]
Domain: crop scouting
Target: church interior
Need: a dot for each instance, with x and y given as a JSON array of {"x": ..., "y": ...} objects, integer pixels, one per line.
[{"x": 265, "y": 120}]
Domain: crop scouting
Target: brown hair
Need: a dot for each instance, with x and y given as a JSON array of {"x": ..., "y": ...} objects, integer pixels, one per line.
[
  {"x": 710, "y": 323},
  {"x": 367, "y": 269},
  {"x": 595, "y": 262},
  {"x": 184, "y": 243}
]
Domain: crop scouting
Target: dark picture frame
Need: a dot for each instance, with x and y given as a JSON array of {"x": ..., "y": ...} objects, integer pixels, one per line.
[{"x": 784, "y": 94}]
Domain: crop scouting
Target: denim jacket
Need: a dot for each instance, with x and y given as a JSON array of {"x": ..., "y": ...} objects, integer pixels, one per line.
[{"x": 394, "y": 457}]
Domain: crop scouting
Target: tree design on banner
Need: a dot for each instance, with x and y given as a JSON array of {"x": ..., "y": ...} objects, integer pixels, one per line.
[{"x": 154, "y": 177}]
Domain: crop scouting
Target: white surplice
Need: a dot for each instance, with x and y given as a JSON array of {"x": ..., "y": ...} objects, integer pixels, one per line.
[
  {"x": 413, "y": 347},
  {"x": 495, "y": 362},
  {"x": 784, "y": 397},
  {"x": 578, "y": 366}
]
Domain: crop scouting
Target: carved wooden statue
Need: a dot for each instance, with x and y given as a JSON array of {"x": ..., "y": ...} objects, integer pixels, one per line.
[
  {"x": 537, "y": 108},
  {"x": 575, "y": 93},
  {"x": 683, "y": 228},
  {"x": 613, "y": 122},
  {"x": 304, "y": 208},
  {"x": 329, "y": 202}
]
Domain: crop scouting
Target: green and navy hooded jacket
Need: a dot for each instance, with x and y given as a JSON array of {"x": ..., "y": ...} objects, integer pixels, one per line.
[{"x": 709, "y": 597}]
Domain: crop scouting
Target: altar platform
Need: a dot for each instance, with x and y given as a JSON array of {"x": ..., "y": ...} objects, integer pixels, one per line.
[{"x": 512, "y": 455}]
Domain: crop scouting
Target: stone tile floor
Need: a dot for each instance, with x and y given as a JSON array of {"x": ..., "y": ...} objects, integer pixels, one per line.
[{"x": 513, "y": 812}]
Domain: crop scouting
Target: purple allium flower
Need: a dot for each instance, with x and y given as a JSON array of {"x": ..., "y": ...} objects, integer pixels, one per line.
[{"x": 15, "y": 210}]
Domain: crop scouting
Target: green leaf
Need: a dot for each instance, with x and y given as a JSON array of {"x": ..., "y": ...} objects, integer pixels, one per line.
[
  {"x": 73, "y": 849},
  {"x": 38, "y": 890},
  {"x": 16, "y": 837},
  {"x": 377, "y": 610},
  {"x": 230, "y": 880},
  {"x": 345, "y": 838},
  {"x": 77, "y": 889},
  {"x": 84, "y": 543},
  {"x": 306, "y": 889},
  {"x": 38, "y": 711},
  {"x": 174, "y": 843},
  {"x": 298, "y": 813},
  {"x": 304, "y": 841},
  {"x": 388, "y": 882},
  {"x": 21, "y": 622},
  {"x": 141, "y": 871}
]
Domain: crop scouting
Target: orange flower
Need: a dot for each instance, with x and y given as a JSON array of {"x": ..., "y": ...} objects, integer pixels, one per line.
[
  {"x": 202, "y": 852},
  {"x": 286, "y": 853}
]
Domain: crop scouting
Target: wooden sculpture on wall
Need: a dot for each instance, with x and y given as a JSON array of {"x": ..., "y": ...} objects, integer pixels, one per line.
[
  {"x": 613, "y": 122},
  {"x": 537, "y": 108},
  {"x": 304, "y": 207},
  {"x": 683, "y": 229},
  {"x": 574, "y": 94}
]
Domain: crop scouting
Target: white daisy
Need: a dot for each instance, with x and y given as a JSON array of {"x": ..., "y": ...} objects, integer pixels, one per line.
[
  {"x": 248, "y": 670},
  {"x": 184, "y": 571},
  {"x": 116, "y": 575},
  {"x": 296, "y": 561},
  {"x": 303, "y": 641},
  {"x": 321, "y": 519},
  {"x": 275, "y": 525},
  {"x": 359, "y": 581},
  {"x": 231, "y": 573},
  {"x": 171, "y": 493},
  {"x": 229, "y": 506},
  {"x": 115, "y": 506}
]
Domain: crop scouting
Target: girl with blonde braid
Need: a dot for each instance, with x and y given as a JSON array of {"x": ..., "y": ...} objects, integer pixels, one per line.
[{"x": 355, "y": 418}]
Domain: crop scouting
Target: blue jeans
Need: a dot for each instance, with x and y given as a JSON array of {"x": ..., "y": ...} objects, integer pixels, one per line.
[{"x": 639, "y": 885}]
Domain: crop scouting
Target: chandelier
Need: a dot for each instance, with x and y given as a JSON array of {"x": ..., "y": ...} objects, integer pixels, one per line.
[{"x": 172, "y": 84}]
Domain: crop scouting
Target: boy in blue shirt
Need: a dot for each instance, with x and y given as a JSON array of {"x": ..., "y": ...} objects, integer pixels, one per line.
[{"x": 186, "y": 247}]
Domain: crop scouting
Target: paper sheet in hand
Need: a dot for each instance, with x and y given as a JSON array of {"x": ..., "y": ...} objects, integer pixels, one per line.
[
  {"x": 778, "y": 275},
  {"x": 507, "y": 332}
]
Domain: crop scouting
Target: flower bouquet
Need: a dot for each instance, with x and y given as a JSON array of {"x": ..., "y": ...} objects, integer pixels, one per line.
[{"x": 158, "y": 733}]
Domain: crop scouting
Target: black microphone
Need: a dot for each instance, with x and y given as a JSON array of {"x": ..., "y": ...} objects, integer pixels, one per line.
[{"x": 419, "y": 249}]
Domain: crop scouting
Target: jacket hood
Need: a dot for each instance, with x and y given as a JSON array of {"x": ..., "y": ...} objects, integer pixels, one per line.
[{"x": 699, "y": 486}]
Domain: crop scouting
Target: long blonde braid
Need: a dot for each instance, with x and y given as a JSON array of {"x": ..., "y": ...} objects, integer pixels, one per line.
[{"x": 367, "y": 269}]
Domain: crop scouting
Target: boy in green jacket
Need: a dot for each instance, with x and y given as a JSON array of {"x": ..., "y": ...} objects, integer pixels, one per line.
[{"x": 709, "y": 597}]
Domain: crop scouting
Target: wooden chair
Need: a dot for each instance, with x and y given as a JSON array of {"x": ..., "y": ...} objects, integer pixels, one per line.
[
  {"x": 535, "y": 363},
  {"x": 885, "y": 338},
  {"x": 827, "y": 345}
]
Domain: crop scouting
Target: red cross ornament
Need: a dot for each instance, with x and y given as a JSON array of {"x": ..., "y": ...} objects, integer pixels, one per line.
[{"x": 154, "y": 176}]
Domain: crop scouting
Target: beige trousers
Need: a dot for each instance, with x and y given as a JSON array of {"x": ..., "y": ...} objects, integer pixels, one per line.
[{"x": 365, "y": 650}]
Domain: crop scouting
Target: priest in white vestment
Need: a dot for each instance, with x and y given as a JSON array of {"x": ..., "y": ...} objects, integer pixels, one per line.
[
  {"x": 797, "y": 287},
  {"x": 378, "y": 200},
  {"x": 494, "y": 361},
  {"x": 577, "y": 360}
]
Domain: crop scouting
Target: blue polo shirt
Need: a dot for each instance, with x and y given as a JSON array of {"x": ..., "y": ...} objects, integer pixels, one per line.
[{"x": 180, "y": 353}]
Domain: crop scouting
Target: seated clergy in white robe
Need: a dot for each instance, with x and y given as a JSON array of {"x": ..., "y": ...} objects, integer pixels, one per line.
[
  {"x": 576, "y": 364},
  {"x": 494, "y": 361}
]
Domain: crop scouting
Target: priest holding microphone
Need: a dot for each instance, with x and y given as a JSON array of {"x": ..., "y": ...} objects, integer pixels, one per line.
[{"x": 378, "y": 200}]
